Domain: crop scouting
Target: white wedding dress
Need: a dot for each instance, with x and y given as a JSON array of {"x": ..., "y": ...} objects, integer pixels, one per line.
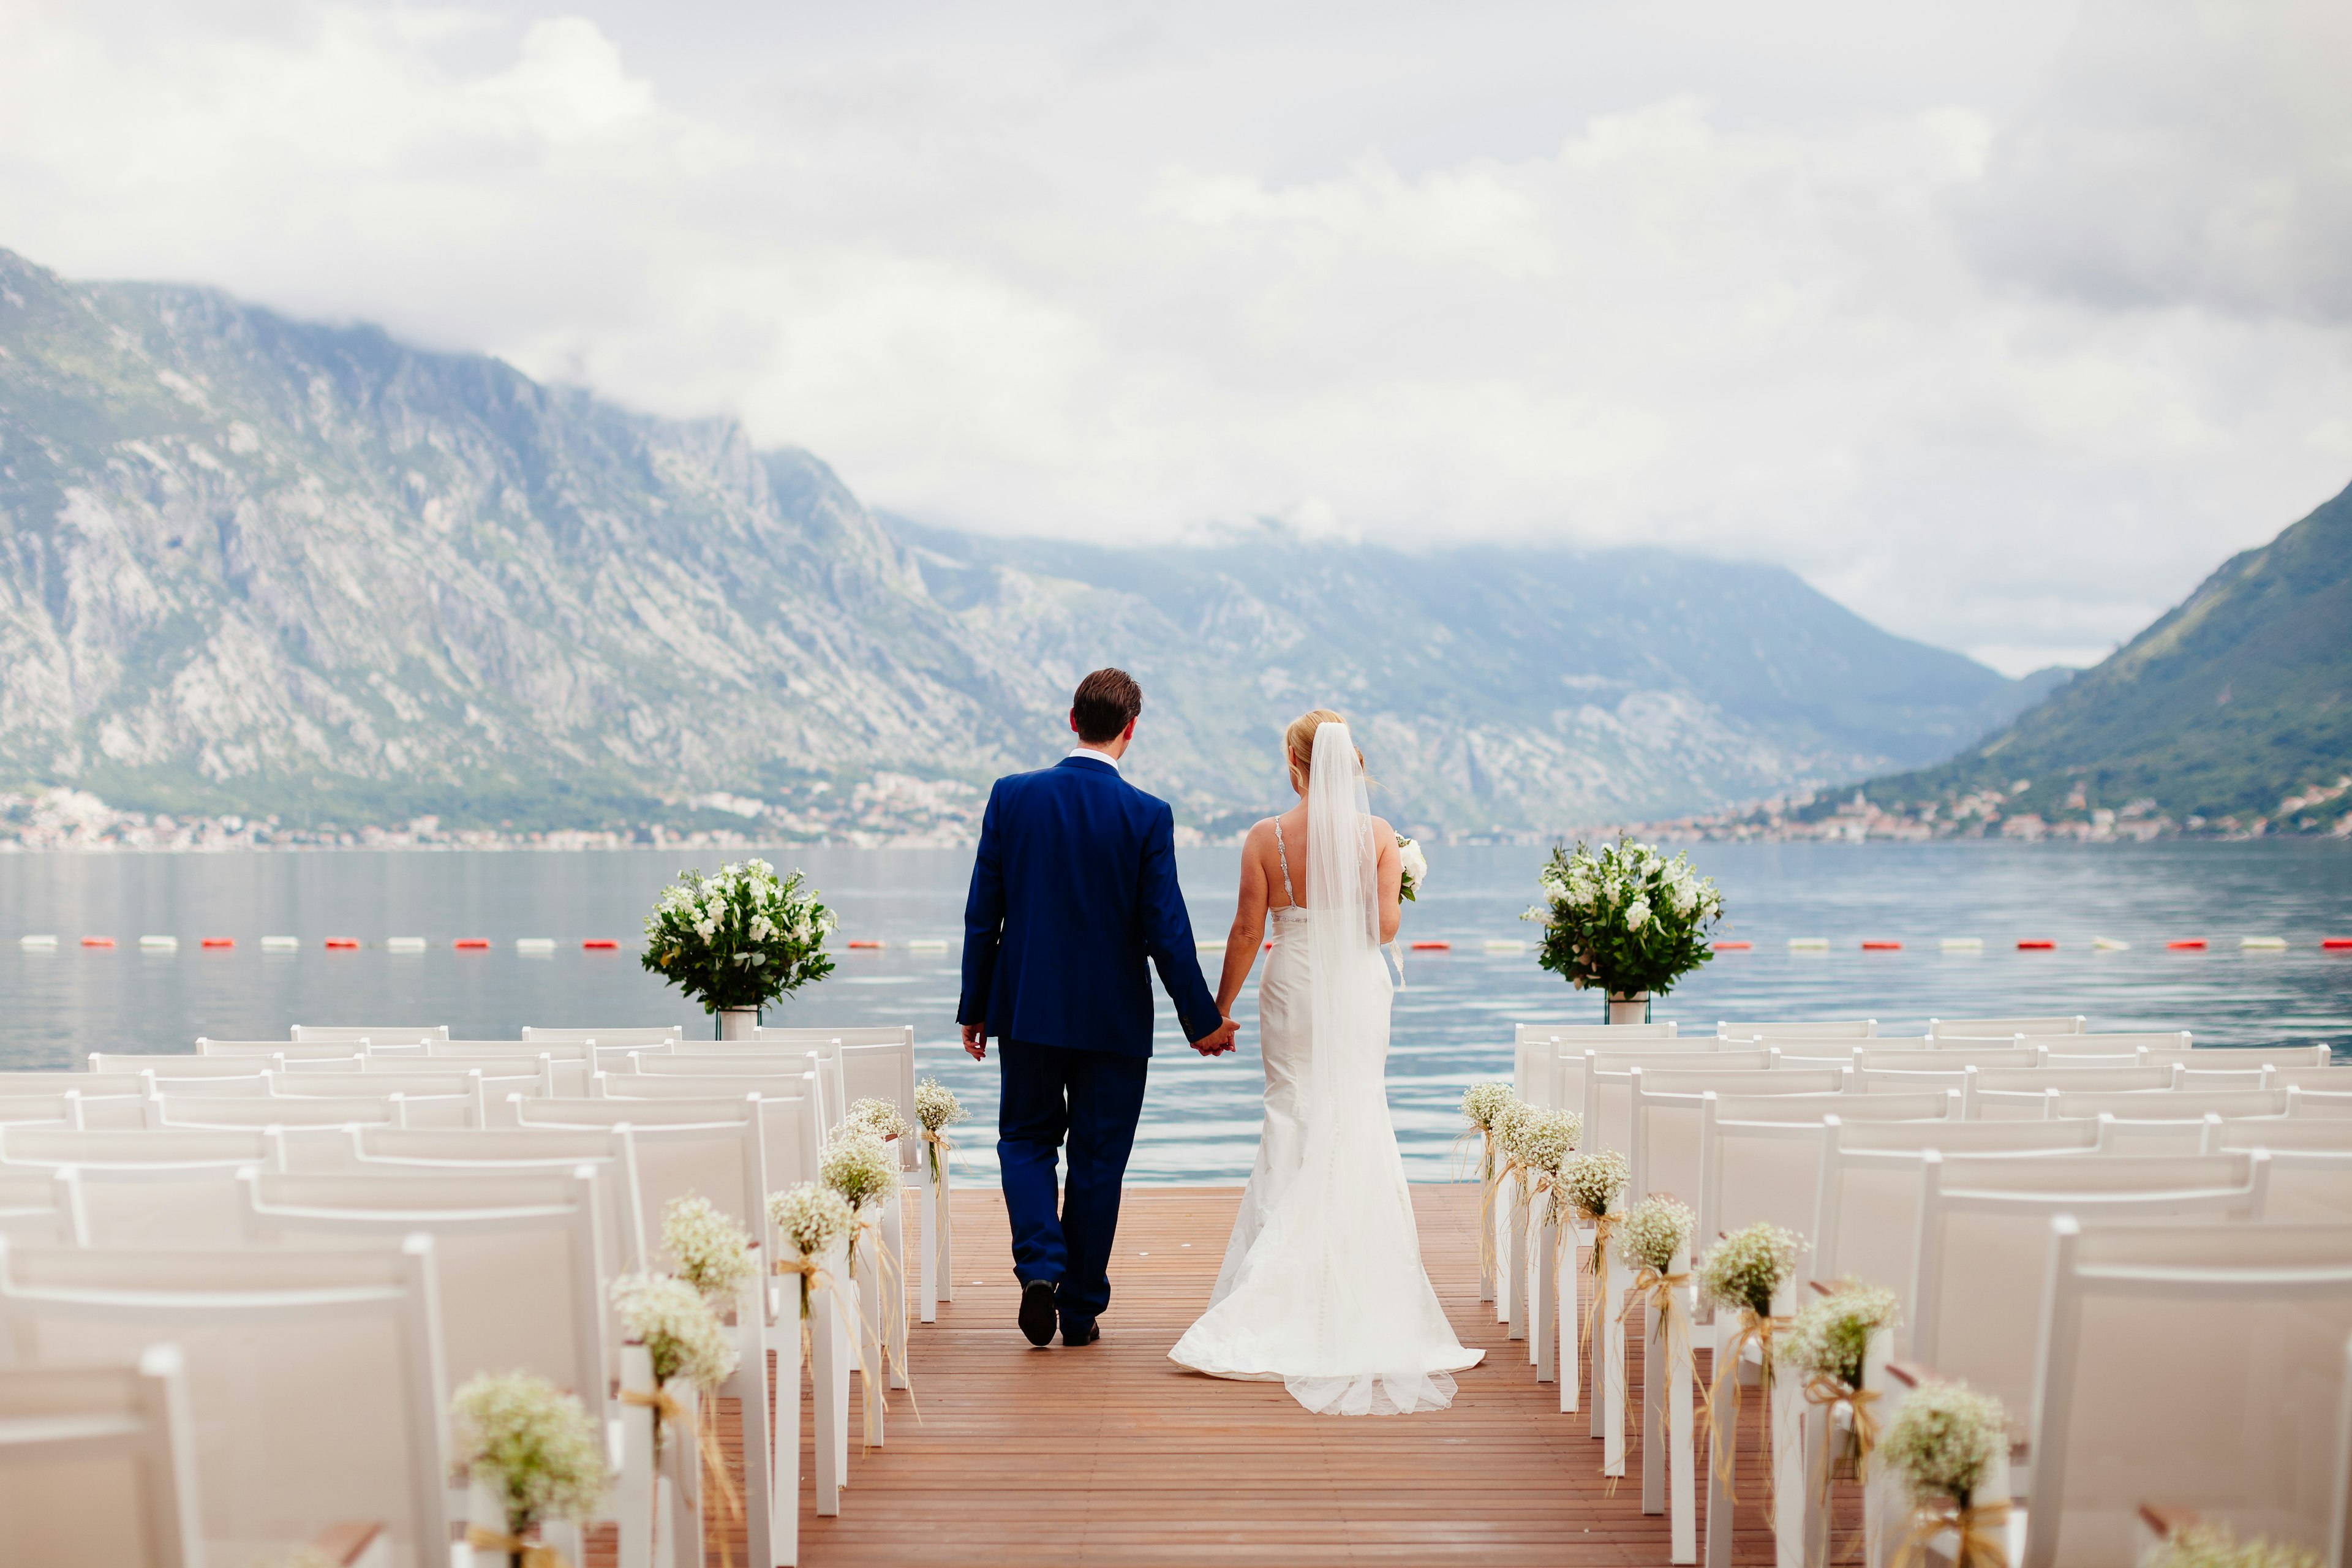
[{"x": 1322, "y": 1288}]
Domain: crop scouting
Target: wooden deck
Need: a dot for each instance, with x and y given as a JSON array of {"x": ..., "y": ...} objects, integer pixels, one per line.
[{"x": 1112, "y": 1454}]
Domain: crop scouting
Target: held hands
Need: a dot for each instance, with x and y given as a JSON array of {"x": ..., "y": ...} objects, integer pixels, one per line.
[{"x": 1219, "y": 1040}]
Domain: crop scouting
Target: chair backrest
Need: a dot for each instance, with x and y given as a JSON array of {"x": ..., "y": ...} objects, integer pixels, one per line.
[
  {"x": 809, "y": 1036},
  {"x": 98, "y": 1464},
  {"x": 519, "y": 1258},
  {"x": 792, "y": 1125},
  {"x": 156, "y": 1205},
  {"x": 403, "y": 1152},
  {"x": 1911, "y": 1058},
  {"x": 193, "y": 1148},
  {"x": 2118, "y": 1080},
  {"x": 2003, "y": 1028},
  {"x": 1800, "y": 1029},
  {"x": 2128, "y": 1044},
  {"x": 176, "y": 1110},
  {"x": 692, "y": 1061},
  {"x": 1979, "y": 1265},
  {"x": 2277, "y": 1133},
  {"x": 1536, "y": 1034},
  {"x": 254, "y": 1085},
  {"x": 61, "y": 1110},
  {"x": 374, "y": 1035},
  {"x": 181, "y": 1065},
  {"x": 332, "y": 1050},
  {"x": 567, "y": 1066},
  {"x": 1759, "y": 1156},
  {"x": 36, "y": 1206},
  {"x": 632, "y": 1037},
  {"x": 701, "y": 1086},
  {"x": 315, "y": 1378},
  {"x": 882, "y": 1071},
  {"x": 2196, "y": 1365},
  {"x": 675, "y": 1147},
  {"x": 1566, "y": 1070},
  {"x": 2310, "y": 1184},
  {"x": 2169, "y": 1105},
  {"x": 35, "y": 1080},
  {"x": 2241, "y": 1056},
  {"x": 1866, "y": 1208},
  {"x": 2331, "y": 1079}
]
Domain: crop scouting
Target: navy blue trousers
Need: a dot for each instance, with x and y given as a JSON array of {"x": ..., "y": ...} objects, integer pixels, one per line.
[{"x": 1091, "y": 1098}]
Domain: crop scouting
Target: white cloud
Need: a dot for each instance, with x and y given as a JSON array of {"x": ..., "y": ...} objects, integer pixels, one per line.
[{"x": 2001, "y": 329}]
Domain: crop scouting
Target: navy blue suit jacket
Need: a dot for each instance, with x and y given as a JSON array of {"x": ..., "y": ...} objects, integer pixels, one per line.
[{"x": 1074, "y": 888}]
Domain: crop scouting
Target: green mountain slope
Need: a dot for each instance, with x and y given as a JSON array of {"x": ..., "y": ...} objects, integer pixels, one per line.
[{"x": 2236, "y": 707}]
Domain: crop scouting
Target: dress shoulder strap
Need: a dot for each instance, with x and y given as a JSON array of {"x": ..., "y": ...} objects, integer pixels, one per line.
[{"x": 1289, "y": 891}]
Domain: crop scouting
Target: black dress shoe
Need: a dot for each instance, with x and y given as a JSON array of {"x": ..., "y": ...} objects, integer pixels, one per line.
[
  {"x": 1080, "y": 1334},
  {"x": 1037, "y": 1312}
]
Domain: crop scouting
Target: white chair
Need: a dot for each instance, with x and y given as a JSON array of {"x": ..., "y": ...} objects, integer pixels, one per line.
[
  {"x": 1949, "y": 1058},
  {"x": 710, "y": 1146},
  {"x": 1599, "y": 1086},
  {"x": 59, "y": 1111},
  {"x": 2139, "y": 1113},
  {"x": 155, "y": 1204},
  {"x": 1530, "y": 1033},
  {"x": 1866, "y": 1211},
  {"x": 520, "y": 1258},
  {"x": 174, "y": 1110},
  {"x": 2239, "y": 1056},
  {"x": 483, "y": 1094},
  {"x": 175, "y": 1063},
  {"x": 630, "y": 1037},
  {"x": 315, "y": 1380},
  {"x": 1801, "y": 1028},
  {"x": 2190, "y": 1365},
  {"x": 37, "y": 1205},
  {"x": 193, "y": 1148},
  {"x": 1978, "y": 1270},
  {"x": 367, "y": 1034},
  {"x": 329, "y": 1051},
  {"x": 402, "y": 1152},
  {"x": 2003, "y": 1028},
  {"x": 98, "y": 1464},
  {"x": 2129, "y": 1044},
  {"x": 814, "y": 1037}
]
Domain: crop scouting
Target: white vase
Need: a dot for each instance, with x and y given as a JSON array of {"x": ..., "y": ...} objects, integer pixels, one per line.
[
  {"x": 1631, "y": 1009},
  {"x": 739, "y": 1023}
]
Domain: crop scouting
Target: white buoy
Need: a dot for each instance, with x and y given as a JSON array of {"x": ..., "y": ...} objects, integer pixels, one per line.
[
  {"x": 44, "y": 943},
  {"x": 939, "y": 944},
  {"x": 1505, "y": 944},
  {"x": 2109, "y": 944},
  {"x": 282, "y": 943},
  {"x": 1207, "y": 944},
  {"x": 404, "y": 944},
  {"x": 534, "y": 944},
  {"x": 1809, "y": 944},
  {"x": 1963, "y": 944},
  {"x": 158, "y": 944},
  {"x": 2262, "y": 944}
]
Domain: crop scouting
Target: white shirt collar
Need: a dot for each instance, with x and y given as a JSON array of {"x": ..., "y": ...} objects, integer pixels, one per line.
[{"x": 1100, "y": 756}]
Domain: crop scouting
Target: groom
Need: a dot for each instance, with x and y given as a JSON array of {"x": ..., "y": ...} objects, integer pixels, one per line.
[{"x": 1074, "y": 888}]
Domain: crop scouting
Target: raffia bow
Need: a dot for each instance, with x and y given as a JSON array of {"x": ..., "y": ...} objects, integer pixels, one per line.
[
  {"x": 1755, "y": 1329},
  {"x": 1488, "y": 1179},
  {"x": 1862, "y": 1439},
  {"x": 1977, "y": 1541},
  {"x": 893, "y": 1334},
  {"x": 936, "y": 1148},
  {"x": 1663, "y": 1291},
  {"x": 666, "y": 1407},
  {"x": 532, "y": 1553},
  {"x": 1603, "y": 1227}
]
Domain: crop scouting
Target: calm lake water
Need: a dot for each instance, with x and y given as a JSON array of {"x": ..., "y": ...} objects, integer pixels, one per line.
[{"x": 1453, "y": 1022}]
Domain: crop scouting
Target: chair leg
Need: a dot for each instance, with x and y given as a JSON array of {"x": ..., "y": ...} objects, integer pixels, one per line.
[
  {"x": 784, "y": 1451},
  {"x": 1500, "y": 1219},
  {"x": 1516, "y": 1309},
  {"x": 873, "y": 1390},
  {"x": 1610, "y": 1333},
  {"x": 634, "y": 1508},
  {"x": 1485, "y": 1246},
  {"x": 929, "y": 1243},
  {"x": 889, "y": 1315},
  {"x": 1544, "y": 1339},
  {"x": 750, "y": 1387},
  {"x": 1682, "y": 1505},
  {"x": 829, "y": 1382},
  {"x": 1654, "y": 1412}
]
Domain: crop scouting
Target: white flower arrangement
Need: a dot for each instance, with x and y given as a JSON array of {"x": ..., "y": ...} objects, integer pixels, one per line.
[
  {"x": 1544, "y": 1138},
  {"x": 533, "y": 1444},
  {"x": 1942, "y": 1440},
  {"x": 1656, "y": 1228},
  {"x": 810, "y": 1216},
  {"x": 1482, "y": 1102},
  {"x": 742, "y": 937},
  {"x": 1747, "y": 1267},
  {"x": 859, "y": 1166},
  {"x": 1829, "y": 1334},
  {"x": 1623, "y": 917},
  {"x": 878, "y": 1117},
  {"x": 1588, "y": 1184},
  {"x": 1416, "y": 869},
  {"x": 2215, "y": 1546},
  {"x": 1510, "y": 1122},
  {"x": 713, "y": 1253},
  {"x": 679, "y": 1330},
  {"x": 936, "y": 1106}
]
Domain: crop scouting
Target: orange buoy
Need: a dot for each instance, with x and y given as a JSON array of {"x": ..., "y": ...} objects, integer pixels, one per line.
[
  {"x": 600, "y": 944},
  {"x": 1733, "y": 946},
  {"x": 868, "y": 946},
  {"x": 342, "y": 944},
  {"x": 2187, "y": 944},
  {"x": 1882, "y": 947},
  {"x": 98, "y": 941},
  {"x": 219, "y": 941},
  {"x": 2336, "y": 944},
  {"x": 2035, "y": 944},
  {"x": 1438, "y": 946},
  {"x": 472, "y": 944}
]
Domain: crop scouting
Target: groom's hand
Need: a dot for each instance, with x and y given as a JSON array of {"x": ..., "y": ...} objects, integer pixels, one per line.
[
  {"x": 975, "y": 1041},
  {"x": 1219, "y": 1040}
]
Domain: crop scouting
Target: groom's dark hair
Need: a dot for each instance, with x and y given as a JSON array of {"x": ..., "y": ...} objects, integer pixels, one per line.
[{"x": 1105, "y": 704}]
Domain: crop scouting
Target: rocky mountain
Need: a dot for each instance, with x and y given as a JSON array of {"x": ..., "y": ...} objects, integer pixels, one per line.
[
  {"x": 253, "y": 564},
  {"x": 2234, "y": 708}
]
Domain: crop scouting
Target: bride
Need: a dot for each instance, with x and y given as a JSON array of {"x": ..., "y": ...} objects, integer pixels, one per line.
[{"x": 1322, "y": 1288}]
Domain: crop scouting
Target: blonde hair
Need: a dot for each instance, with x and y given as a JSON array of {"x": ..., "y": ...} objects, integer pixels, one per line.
[{"x": 1298, "y": 743}]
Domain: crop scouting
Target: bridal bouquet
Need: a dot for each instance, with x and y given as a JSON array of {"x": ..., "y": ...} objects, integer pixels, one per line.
[
  {"x": 1416, "y": 867},
  {"x": 1624, "y": 918},
  {"x": 740, "y": 939}
]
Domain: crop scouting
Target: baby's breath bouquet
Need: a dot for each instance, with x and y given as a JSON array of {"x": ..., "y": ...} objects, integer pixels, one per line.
[
  {"x": 679, "y": 1330},
  {"x": 937, "y": 1108},
  {"x": 532, "y": 1445},
  {"x": 861, "y": 1168},
  {"x": 811, "y": 1218},
  {"x": 1589, "y": 1184},
  {"x": 1624, "y": 918},
  {"x": 878, "y": 1117},
  {"x": 2215, "y": 1546},
  {"x": 1742, "y": 1273},
  {"x": 1652, "y": 1231},
  {"x": 1824, "y": 1345},
  {"x": 743, "y": 938},
  {"x": 1484, "y": 1106},
  {"x": 712, "y": 1251},
  {"x": 1941, "y": 1445}
]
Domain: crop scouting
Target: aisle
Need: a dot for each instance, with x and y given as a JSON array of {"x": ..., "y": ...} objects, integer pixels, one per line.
[{"x": 1112, "y": 1454}]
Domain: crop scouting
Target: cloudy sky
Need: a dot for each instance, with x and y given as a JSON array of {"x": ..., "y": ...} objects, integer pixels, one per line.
[{"x": 2003, "y": 321}]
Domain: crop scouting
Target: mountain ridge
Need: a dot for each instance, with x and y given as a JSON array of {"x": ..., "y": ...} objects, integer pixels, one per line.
[{"x": 250, "y": 563}]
